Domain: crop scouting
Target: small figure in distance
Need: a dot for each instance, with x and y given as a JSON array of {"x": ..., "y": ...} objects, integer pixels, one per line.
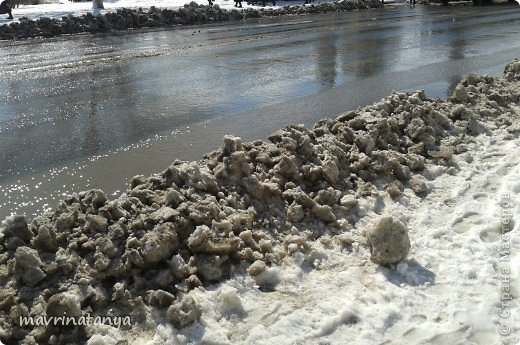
[
  {"x": 5, "y": 9},
  {"x": 210, "y": 2},
  {"x": 238, "y": 3}
]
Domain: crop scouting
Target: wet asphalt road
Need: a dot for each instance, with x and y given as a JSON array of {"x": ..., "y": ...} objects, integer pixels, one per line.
[{"x": 92, "y": 111}]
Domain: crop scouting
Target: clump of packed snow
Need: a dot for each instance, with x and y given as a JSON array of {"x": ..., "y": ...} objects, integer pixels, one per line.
[
  {"x": 389, "y": 241},
  {"x": 396, "y": 223}
]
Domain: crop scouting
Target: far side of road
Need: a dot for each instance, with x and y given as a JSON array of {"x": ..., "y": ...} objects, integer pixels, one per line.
[{"x": 67, "y": 18}]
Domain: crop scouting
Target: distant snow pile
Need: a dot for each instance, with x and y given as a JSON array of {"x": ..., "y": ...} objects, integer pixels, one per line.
[
  {"x": 244, "y": 209},
  {"x": 63, "y": 21}
]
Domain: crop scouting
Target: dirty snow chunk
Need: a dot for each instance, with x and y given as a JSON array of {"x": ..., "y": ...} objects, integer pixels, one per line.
[
  {"x": 199, "y": 236},
  {"x": 96, "y": 197},
  {"x": 266, "y": 246},
  {"x": 191, "y": 175},
  {"x": 344, "y": 224},
  {"x": 65, "y": 221},
  {"x": 324, "y": 212},
  {"x": 256, "y": 268},
  {"x": 331, "y": 171},
  {"x": 184, "y": 313},
  {"x": 159, "y": 244},
  {"x": 231, "y": 144},
  {"x": 163, "y": 214},
  {"x": 287, "y": 167},
  {"x": 17, "y": 226},
  {"x": 28, "y": 265},
  {"x": 65, "y": 303},
  {"x": 295, "y": 213},
  {"x": 328, "y": 196},
  {"x": 292, "y": 248},
  {"x": 345, "y": 239},
  {"x": 45, "y": 239},
  {"x": 161, "y": 298},
  {"x": 460, "y": 95},
  {"x": 179, "y": 267},
  {"x": 97, "y": 223},
  {"x": 209, "y": 267},
  {"x": 512, "y": 70},
  {"x": 174, "y": 198},
  {"x": 349, "y": 202},
  {"x": 389, "y": 241},
  {"x": 419, "y": 185},
  {"x": 395, "y": 189}
]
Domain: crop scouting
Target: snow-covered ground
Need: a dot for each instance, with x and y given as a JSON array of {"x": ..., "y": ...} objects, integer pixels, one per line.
[
  {"x": 63, "y": 8},
  {"x": 454, "y": 287}
]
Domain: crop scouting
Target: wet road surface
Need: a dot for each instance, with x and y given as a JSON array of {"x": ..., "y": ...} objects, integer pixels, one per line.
[{"x": 92, "y": 111}]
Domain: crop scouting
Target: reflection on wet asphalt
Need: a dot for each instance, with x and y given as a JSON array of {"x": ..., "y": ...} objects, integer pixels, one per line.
[{"x": 92, "y": 111}]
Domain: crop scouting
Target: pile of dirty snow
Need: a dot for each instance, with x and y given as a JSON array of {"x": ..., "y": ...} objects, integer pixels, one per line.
[{"x": 385, "y": 223}]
